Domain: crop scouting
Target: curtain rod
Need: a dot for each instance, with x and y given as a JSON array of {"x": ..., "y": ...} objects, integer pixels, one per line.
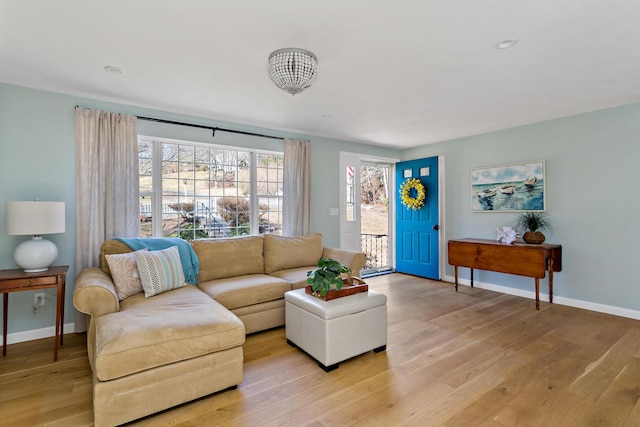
[{"x": 212, "y": 128}]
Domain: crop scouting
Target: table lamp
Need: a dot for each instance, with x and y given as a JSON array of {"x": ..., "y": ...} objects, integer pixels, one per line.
[{"x": 35, "y": 218}]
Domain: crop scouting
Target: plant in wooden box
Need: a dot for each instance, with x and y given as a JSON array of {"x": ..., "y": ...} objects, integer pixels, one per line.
[
  {"x": 533, "y": 222},
  {"x": 327, "y": 281},
  {"x": 328, "y": 274}
]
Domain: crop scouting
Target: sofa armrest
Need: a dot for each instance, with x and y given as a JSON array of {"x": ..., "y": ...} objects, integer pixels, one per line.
[
  {"x": 352, "y": 259},
  {"x": 94, "y": 293}
]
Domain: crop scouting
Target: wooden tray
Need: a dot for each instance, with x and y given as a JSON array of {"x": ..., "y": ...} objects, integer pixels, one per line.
[{"x": 357, "y": 285}]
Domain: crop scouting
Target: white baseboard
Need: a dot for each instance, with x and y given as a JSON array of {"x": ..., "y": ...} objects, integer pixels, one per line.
[
  {"x": 601, "y": 308},
  {"x": 36, "y": 334}
]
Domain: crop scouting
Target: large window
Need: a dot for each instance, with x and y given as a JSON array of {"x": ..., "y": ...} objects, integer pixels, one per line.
[{"x": 197, "y": 191}]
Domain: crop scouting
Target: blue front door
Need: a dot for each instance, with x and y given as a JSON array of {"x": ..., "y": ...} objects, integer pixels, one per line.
[{"x": 417, "y": 230}]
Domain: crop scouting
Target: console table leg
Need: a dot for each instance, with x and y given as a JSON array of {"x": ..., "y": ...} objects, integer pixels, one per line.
[
  {"x": 472, "y": 277},
  {"x": 537, "y": 294},
  {"x": 455, "y": 269}
]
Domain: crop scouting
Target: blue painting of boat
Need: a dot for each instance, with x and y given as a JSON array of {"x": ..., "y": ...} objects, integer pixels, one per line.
[{"x": 509, "y": 188}]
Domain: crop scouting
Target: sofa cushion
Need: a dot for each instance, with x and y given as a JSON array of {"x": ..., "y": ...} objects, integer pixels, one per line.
[
  {"x": 160, "y": 271},
  {"x": 221, "y": 258},
  {"x": 125, "y": 274},
  {"x": 296, "y": 276},
  {"x": 170, "y": 327},
  {"x": 283, "y": 253},
  {"x": 241, "y": 291},
  {"x": 111, "y": 247}
]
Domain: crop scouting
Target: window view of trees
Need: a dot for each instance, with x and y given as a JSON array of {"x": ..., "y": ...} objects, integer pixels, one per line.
[
  {"x": 208, "y": 192},
  {"x": 374, "y": 185}
]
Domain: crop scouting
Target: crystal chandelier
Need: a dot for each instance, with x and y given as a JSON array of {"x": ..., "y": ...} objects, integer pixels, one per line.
[{"x": 293, "y": 70}]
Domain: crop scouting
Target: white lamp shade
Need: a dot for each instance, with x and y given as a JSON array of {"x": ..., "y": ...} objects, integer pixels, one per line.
[{"x": 35, "y": 218}]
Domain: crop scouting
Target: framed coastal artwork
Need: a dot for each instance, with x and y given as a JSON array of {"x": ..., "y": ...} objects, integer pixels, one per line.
[{"x": 516, "y": 187}]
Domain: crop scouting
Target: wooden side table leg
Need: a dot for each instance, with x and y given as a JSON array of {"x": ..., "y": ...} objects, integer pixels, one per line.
[
  {"x": 56, "y": 344},
  {"x": 455, "y": 269},
  {"x": 62, "y": 310},
  {"x": 5, "y": 307},
  {"x": 537, "y": 294}
]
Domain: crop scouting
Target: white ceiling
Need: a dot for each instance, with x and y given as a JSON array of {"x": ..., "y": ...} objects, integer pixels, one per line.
[{"x": 397, "y": 73}]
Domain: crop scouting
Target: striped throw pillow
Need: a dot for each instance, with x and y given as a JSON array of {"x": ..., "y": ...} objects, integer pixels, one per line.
[{"x": 160, "y": 271}]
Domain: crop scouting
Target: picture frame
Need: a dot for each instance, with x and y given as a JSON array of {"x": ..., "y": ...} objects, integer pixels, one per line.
[{"x": 515, "y": 187}]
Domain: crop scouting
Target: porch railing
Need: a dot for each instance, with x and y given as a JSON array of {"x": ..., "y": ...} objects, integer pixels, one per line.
[{"x": 375, "y": 248}]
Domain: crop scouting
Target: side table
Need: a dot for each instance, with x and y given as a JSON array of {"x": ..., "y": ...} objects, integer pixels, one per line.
[{"x": 16, "y": 280}]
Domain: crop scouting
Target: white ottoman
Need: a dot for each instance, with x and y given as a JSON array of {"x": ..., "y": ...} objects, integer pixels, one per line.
[{"x": 336, "y": 330}]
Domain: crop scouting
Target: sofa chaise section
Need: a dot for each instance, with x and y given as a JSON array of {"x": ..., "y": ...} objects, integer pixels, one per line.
[{"x": 149, "y": 354}]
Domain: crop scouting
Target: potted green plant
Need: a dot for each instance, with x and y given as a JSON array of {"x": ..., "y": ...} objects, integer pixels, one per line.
[
  {"x": 533, "y": 223},
  {"x": 328, "y": 274}
]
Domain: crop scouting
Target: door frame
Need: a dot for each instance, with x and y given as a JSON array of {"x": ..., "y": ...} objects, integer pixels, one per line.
[
  {"x": 344, "y": 155},
  {"x": 441, "y": 216}
]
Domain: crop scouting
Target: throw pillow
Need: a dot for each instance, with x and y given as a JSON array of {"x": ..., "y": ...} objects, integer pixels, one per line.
[
  {"x": 125, "y": 275},
  {"x": 160, "y": 271}
]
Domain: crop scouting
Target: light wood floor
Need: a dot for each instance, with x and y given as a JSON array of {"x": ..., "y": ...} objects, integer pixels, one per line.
[{"x": 475, "y": 358}]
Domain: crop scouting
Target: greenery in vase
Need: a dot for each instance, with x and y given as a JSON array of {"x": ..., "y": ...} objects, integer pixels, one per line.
[
  {"x": 533, "y": 221},
  {"x": 328, "y": 274}
]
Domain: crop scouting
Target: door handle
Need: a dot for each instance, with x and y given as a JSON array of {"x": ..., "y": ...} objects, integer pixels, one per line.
[{"x": 436, "y": 227}]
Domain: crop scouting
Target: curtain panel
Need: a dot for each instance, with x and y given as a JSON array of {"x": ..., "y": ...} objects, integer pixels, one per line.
[
  {"x": 296, "y": 214},
  {"x": 107, "y": 193}
]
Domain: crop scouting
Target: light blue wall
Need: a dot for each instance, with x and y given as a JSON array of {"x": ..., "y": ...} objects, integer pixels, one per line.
[
  {"x": 592, "y": 195},
  {"x": 37, "y": 155},
  {"x": 36, "y": 162}
]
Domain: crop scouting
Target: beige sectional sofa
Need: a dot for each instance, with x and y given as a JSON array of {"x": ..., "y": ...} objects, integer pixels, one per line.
[{"x": 149, "y": 354}]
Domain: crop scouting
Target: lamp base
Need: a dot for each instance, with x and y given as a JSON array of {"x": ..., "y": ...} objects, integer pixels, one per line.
[
  {"x": 35, "y": 255},
  {"x": 37, "y": 270}
]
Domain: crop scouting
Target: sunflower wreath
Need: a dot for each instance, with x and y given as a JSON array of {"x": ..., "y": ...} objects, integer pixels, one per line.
[{"x": 406, "y": 192}]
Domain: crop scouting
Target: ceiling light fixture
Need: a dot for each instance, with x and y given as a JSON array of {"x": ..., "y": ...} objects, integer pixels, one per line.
[
  {"x": 506, "y": 44},
  {"x": 293, "y": 70}
]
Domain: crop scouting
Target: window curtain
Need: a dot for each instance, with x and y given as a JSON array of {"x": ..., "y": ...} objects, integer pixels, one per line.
[
  {"x": 296, "y": 214},
  {"x": 107, "y": 194}
]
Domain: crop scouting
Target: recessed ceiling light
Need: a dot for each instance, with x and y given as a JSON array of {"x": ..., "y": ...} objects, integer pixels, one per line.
[
  {"x": 506, "y": 44},
  {"x": 113, "y": 69}
]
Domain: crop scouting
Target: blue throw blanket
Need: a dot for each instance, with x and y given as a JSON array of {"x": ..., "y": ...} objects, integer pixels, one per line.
[{"x": 188, "y": 257}]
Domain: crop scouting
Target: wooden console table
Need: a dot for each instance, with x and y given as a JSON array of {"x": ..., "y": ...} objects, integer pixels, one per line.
[
  {"x": 517, "y": 258},
  {"x": 16, "y": 280}
]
